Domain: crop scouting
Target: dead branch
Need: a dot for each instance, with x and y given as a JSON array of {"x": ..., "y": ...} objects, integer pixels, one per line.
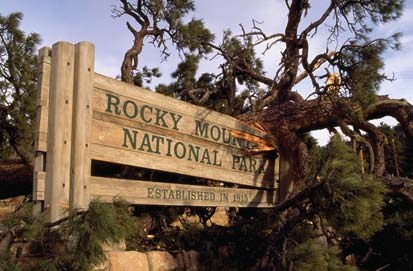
[{"x": 359, "y": 139}]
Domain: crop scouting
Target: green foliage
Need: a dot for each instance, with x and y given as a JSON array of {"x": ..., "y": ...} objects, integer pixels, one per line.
[
  {"x": 377, "y": 11},
  {"x": 145, "y": 76},
  {"x": 18, "y": 77},
  {"x": 194, "y": 36},
  {"x": 315, "y": 158},
  {"x": 361, "y": 67},
  {"x": 310, "y": 256},
  {"x": 34, "y": 229},
  {"x": 171, "y": 10},
  {"x": 166, "y": 17},
  {"x": 191, "y": 35},
  {"x": 242, "y": 52},
  {"x": 185, "y": 73},
  {"x": 405, "y": 155},
  {"x": 101, "y": 224},
  {"x": 393, "y": 245},
  {"x": 402, "y": 222},
  {"x": 402, "y": 150},
  {"x": 224, "y": 95},
  {"x": 5, "y": 148},
  {"x": 75, "y": 244},
  {"x": 185, "y": 79},
  {"x": 360, "y": 59},
  {"x": 8, "y": 264},
  {"x": 20, "y": 217},
  {"x": 356, "y": 202}
]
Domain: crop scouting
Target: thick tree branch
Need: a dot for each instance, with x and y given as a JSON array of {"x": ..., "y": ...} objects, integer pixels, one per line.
[
  {"x": 317, "y": 23},
  {"x": 315, "y": 64},
  {"x": 399, "y": 109},
  {"x": 129, "y": 10},
  {"x": 291, "y": 54},
  {"x": 377, "y": 139},
  {"x": 323, "y": 113}
]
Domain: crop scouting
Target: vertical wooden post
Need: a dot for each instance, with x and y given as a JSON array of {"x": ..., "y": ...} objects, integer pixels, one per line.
[
  {"x": 59, "y": 134},
  {"x": 40, "y": 135},
  {"x": 82, "y": 116}
]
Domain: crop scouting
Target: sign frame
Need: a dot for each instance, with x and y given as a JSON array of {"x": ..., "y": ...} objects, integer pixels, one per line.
[{"x": 72, "y": 130}]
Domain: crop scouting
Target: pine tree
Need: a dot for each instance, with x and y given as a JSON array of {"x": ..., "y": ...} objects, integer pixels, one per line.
[
  {"x": 160, "y": 21},
  {"x": 332, "y": 197},
  {"x": 18, "y": 77}
]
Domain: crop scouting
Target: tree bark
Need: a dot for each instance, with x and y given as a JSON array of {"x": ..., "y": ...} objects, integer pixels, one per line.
[
  {"x": 130, "y": 60},
  {"x": 319, "y": 113},
  {"x": 287, "y": 121}
]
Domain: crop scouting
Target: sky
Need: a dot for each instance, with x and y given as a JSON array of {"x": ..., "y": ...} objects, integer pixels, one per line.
[{"x": 91, "y": 20}]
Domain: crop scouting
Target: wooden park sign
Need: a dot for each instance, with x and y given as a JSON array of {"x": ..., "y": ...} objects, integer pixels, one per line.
[{"x": 84, "y": 116}]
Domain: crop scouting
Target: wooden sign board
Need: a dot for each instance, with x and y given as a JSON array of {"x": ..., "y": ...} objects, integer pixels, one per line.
[
  {"x": 138, "y": 127},
  {"x": 171, "y": 194},
  {"x": 85, "y": 116}
]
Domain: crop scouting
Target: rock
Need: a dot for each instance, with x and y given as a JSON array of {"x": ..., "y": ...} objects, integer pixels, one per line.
[
  {"x": 220, "y": 217},
  {"x": 185, "y": 220},
  {"x": 149, "y": 261},
  {"x": 180, "y": 261},
  {"x": 161, "y": 261},
  {"x": 191, "y": 260},
  {"x": 128, "y": 261},
  {"x": 103, "y": 266},
  {"x": 121, "y": 246}
]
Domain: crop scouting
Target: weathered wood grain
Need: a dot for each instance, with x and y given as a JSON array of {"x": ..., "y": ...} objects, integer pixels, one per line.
[
  {"x": 170, "y": 194},
  {"x": 107, "y": 140},
  {"x": 40, "y": 129},
  {"x": 144, "y": 96},
  {"x": 82, "y": 116},
  {"x": 118, "y": 106},
  {"x": 59, "y": 135},
  {"x": 42, "y": 100},
  {"x": 39, "y": 182},
  {"x": 152, "y": 193}
]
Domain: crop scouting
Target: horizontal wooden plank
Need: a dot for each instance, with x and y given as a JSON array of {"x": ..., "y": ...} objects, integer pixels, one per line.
[
  {"x": 132, "y": 95},
  {"x": 170, "y": 194},
  {"x": 207, "y": 160}
]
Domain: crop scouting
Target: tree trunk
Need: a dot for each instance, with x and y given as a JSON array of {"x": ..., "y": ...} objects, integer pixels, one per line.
[{"x": 130, "y": 60}]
